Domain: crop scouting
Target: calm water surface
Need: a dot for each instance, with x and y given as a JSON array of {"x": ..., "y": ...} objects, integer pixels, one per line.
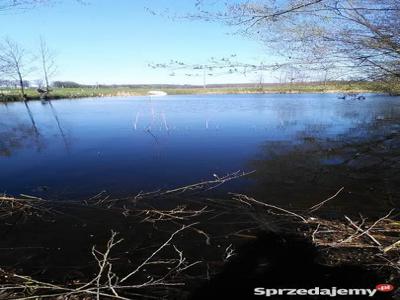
[{"x": 77, "y": 148}]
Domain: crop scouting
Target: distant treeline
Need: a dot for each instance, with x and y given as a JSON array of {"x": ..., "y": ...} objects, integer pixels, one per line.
[
  {"x": 73, "y": 84},
  {"x": 14, "y": 83}
]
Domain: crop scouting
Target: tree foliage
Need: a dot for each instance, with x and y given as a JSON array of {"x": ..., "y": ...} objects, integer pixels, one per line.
[{"x": 358, "y": 38}]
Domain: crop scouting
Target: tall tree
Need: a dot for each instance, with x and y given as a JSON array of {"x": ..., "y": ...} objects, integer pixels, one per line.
[
  {"x": 48, "y": 64},
  {"x": 15, "y": 61}
]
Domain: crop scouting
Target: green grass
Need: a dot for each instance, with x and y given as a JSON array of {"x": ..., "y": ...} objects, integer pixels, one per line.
[{"x": 331, "y": 87}]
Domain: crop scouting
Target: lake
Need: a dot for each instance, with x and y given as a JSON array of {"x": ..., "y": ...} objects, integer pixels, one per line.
[{"x": 304, "y": 147}]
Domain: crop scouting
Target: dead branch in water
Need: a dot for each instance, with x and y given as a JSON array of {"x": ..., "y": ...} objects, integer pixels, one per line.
[
  {"x": 105, "y": 200},
  {"x": 200, "y": 186},
  {"x": 180, "y": 213},
  {"x": 25, "y": 205},
  {"x": 319, "y": 205},
  {"x": 248, "y": 200}
]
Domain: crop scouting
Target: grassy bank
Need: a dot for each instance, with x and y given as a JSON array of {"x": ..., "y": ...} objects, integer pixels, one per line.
[{"x": 7, "y": 95}]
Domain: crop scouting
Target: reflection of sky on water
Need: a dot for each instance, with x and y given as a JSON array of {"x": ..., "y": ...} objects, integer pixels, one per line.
[{"x": 126, "y": 145}]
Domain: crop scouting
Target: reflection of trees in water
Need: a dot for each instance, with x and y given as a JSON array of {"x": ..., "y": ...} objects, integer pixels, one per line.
[
  {"x": 383, "y": 108},
  {"x": 286, "y": 112},
  {"x": 302, "y": 172},
  {"x": 153, "y": 122},
  {"x": 60, "y": 129},
  {"x": 311, "y": 132},
  {"x": 31, "y": 118},
  {"x": 16, "y": 136}
]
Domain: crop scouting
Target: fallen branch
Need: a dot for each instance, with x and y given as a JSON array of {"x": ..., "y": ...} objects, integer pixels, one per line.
[
  {"x": 380, "y": 237},
  {"x": 206, "y": 185},
  {"x": 247, "y": 200},
  {"x": 106, "y": 283},
  {"x": 319, "y": 205},
  {"x": 25, "y": 204}
]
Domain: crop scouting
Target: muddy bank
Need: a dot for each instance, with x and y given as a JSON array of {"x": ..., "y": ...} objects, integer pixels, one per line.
[
  {"x": 187, "y": 245},
  {"x": 285, "y": 262}
]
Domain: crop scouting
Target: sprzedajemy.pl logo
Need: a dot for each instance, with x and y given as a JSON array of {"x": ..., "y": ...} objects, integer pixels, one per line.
[{"x": 317, "y": 291}]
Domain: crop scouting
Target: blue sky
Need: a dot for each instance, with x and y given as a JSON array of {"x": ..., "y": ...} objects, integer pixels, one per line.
[{"x": 109, "y": 42}]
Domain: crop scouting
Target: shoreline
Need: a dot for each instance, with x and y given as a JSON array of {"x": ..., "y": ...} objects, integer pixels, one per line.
[{"x": 86, "y": 93}]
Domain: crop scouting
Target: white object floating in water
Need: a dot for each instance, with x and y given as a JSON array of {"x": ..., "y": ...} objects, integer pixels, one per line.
[{"x": 157, "y": 93}]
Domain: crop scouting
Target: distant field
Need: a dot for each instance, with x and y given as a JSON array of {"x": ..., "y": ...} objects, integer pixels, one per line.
[{"x": 58, "y": 93}]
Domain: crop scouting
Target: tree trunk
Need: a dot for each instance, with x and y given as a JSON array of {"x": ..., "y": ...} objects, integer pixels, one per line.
[{"x": 21, "y": 85}]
